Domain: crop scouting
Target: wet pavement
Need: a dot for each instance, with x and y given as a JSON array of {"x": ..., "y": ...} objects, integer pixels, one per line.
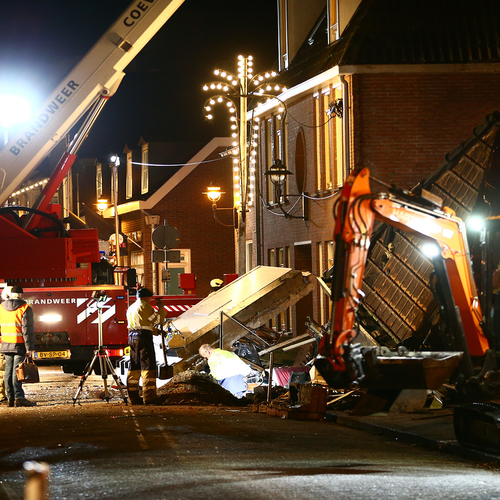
[{"x": 100, "y": 449}]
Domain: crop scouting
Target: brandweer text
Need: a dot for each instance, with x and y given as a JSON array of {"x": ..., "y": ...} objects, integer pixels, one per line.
[
  {"x": 43, "y": 117},
  {"x": 50, "y": 301}
]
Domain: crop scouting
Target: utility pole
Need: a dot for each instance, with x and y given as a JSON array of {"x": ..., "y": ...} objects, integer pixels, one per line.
[{"x": 241, "y": 238}]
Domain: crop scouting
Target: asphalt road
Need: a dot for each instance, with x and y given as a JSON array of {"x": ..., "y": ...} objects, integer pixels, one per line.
[{"x": 100, "y": 449}]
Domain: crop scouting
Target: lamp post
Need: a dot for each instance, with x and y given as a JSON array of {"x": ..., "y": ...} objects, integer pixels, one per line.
[
  {"x": 114, "y": 164},
  {"x": 235, "y": 92}
]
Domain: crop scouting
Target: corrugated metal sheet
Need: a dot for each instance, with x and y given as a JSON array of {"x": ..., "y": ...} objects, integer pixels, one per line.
[{"x": 399, "y": 304}]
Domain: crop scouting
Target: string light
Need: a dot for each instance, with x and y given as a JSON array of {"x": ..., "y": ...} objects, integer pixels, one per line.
[
  {"x": 261, "y": 87},
  {"x": 28, "y": 188}
]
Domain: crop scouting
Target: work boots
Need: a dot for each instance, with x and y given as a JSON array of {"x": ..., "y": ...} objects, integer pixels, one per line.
[{"x": 23, "y": 402}]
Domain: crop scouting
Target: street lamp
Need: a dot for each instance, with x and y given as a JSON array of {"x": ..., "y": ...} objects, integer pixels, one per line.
[
  {"x": 214, "y": 195},
  {"x": 102, "y": 205},
  {"x": 13, "y": 109},
  {"x": 278, "y": 173},
  {"x": 234, "y": 92},
  {"x": 114, "y": 164}
]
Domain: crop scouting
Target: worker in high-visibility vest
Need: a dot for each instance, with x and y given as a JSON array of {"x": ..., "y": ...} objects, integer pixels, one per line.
[
  {"x": 227, "y": 368},
  {"x": 141, "y": 318},
  {"x": 17, "y": 328}
]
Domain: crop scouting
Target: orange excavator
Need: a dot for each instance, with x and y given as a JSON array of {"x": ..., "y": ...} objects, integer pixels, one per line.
[{"x": 467, "y": 324}]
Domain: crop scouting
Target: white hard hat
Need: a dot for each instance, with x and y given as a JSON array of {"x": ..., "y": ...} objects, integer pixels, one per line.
[{"x": 6, "y": 293}]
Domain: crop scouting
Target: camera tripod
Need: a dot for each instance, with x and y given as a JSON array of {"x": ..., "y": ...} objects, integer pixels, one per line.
[{"x": 105, "y": 365}]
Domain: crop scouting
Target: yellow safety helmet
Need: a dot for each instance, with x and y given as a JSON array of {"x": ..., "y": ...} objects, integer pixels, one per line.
[{"x": 216, "y": 283}]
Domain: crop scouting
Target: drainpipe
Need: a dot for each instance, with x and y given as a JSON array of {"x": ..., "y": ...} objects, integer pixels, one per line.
[{"x": 345, "y": 126}]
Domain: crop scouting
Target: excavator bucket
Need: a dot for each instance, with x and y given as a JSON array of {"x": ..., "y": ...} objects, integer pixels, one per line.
[
  {"x": 409, "y": 370},
  {"x": 380, "y": 368}
]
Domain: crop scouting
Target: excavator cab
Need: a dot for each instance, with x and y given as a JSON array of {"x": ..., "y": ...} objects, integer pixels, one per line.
[{"x": 342, "y": 361}]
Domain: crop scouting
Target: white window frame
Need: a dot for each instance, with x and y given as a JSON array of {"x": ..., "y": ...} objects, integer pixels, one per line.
[
  {"x": 129, "y": 185},
  {"x": 98, "y": 180},
  {"x": 145, "y": 170}
]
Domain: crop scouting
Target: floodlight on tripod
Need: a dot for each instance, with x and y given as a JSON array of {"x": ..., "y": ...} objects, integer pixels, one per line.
[{"x": 100, "y": 297}]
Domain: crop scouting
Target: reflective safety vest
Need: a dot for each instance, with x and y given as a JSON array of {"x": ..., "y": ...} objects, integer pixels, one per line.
[
  {"x": 11, "y": 323},
  {"x": 141, "y": 316}
]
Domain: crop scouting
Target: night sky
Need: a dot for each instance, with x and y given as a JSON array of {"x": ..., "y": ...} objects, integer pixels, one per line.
[{"x": 160, "y": 97}]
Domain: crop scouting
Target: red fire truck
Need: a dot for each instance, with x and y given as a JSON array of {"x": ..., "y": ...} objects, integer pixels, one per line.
[{"x": 52, "y": 263}]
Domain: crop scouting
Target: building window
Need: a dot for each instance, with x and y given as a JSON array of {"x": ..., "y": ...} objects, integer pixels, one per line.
[
  {"x": 129, "y": 189},
  {"x": 145, "y": 170},
  {"x": 249, "y": 256},
  {"x": 269, "y": 157},
  {"x": 283, "y": 34},
  {"x": 137, "y": 262},
  {"x": 321, "y": 269},
  {"x": 98, "y": 180},
  {"x": 332, "y": 21},
  {"x": 276, "y": 148},
  {"x": 328, "y": 141},
  {"x": 283, "y": 321},
  {"x": 271, "y": 257},
  {"x": 330, "y": 249}
]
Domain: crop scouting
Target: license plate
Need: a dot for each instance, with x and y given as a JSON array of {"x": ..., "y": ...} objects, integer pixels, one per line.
[{"x": 51, "y": 354}]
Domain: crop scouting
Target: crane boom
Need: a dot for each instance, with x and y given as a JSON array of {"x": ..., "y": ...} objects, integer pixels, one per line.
[{"x": 98, "y": 74}]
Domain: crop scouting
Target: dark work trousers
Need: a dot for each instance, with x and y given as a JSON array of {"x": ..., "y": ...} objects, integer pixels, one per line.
[{"x": 142, "y": 363}]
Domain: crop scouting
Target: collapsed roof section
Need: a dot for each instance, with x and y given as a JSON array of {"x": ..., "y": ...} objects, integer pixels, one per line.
[
  {"x": 399, "y": 303},
  {"x": 251, "y": 300}
]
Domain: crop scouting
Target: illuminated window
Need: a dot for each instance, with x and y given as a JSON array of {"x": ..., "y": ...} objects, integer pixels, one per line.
[
  {"x": 276, "y": 148},
  {"x": 129, "y": 190},
  {"x": 145, "y": 170},
  {"x": 328, "y": 140},
  {"x": 283, "y": 34},
  {"x": 98, "y": 180},
  {"x": 336, "y": 134},
  {"x": 269, "y": 157},
  {"x": 330, "y": 249},
  {"x": 321, "y": 269},
  {"x": 332, "y": 21}
]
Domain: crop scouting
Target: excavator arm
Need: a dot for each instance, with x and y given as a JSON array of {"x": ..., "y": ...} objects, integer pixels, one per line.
[{"x": 341, "y": 361}]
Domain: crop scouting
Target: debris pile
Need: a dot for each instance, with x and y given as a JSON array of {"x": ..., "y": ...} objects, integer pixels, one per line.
[{"x": 195, "y": 388}]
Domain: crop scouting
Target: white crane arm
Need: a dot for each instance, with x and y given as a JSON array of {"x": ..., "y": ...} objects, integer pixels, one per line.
[{"x": 98, "y": 74}]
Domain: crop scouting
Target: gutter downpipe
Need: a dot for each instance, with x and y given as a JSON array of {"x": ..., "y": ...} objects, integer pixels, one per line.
[{"x": 345, "y": 126}]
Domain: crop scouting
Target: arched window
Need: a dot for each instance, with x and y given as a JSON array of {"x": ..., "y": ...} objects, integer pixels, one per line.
[{"x": 300, "y": 161}]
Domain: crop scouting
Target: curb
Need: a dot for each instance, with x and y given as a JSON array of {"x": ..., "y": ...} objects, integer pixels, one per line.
[{"x": 450, "y": 447}]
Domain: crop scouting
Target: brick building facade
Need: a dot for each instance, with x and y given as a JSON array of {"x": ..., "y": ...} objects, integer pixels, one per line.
[
  {"x": 371, "y": 96},
  {"x": 207, "y": 247}
]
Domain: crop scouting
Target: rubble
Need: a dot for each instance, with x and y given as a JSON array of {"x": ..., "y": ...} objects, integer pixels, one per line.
[{"x": 195, "y": 388}]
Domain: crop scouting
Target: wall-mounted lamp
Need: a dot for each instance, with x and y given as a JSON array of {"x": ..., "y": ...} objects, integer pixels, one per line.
[
  {"x": 278, "y": 174},
  {"x": 214, "y": 194},
  {"x": 102, "y": 205}
]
